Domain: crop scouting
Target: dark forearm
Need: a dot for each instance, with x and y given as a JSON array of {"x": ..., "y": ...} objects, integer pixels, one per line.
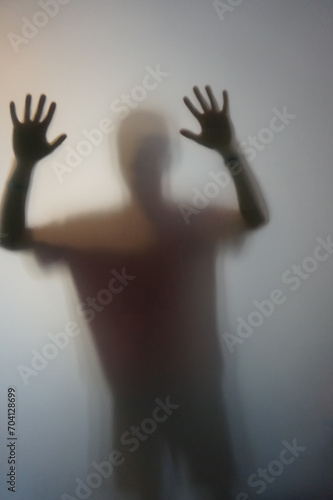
[
  {"x": 250, "y": 198},
  {"x": 13, "y": 212},
  {"x": 30, "y": 145},
  {"x": 217, "y": 133}
]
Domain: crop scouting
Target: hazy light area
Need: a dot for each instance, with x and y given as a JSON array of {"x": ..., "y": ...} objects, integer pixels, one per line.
[{"x": 278, "y": 381}]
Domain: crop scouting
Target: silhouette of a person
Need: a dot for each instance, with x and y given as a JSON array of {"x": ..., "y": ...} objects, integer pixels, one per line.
[{"x": 146, "y": 282}]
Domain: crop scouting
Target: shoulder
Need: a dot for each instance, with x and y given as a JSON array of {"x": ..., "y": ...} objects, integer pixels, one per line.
[{"x": 216, "y": 224}]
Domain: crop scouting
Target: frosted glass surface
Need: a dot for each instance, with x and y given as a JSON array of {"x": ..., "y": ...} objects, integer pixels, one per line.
[{"x": 275, "y": 59}]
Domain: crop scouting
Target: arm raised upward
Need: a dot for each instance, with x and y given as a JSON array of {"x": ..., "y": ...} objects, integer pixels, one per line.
[
  {"x": 30, "y": 145},
  {"x": 217, "y": 133}
]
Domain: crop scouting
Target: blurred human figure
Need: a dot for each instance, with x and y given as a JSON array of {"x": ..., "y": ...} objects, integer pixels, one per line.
[{"x": 146, "y": 283}]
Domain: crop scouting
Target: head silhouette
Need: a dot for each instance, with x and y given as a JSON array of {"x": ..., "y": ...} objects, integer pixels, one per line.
[{"x": 144, "y": 153}]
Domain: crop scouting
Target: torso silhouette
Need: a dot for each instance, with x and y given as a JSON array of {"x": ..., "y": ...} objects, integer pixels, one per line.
[{"x": 160, "y": 327}]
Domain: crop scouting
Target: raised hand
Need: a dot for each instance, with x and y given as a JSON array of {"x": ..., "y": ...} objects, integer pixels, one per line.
[
  {"x": 29, "y": 136},
  {"x": 216, "y": 128}
]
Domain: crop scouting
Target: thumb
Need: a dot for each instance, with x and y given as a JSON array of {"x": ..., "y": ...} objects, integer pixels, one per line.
[
  {"x": 57, "y": 142},
  {"x": 191, "y": 135},
  {"x": 225, "y": 108}
]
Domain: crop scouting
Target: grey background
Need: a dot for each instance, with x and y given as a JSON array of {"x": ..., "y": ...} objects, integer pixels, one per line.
[{"x": 268, "y": 54}]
